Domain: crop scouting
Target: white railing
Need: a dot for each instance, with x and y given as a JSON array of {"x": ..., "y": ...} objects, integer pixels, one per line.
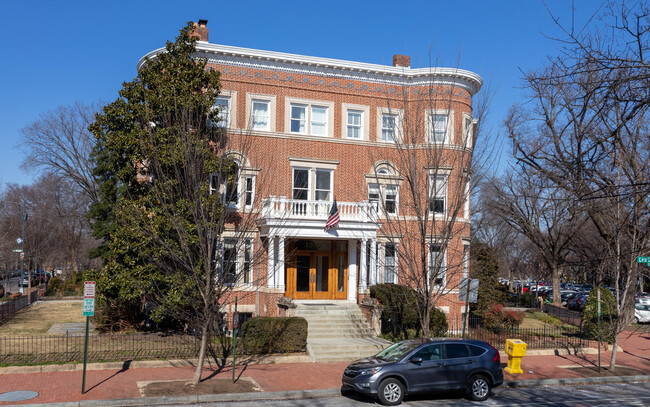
[{"x": 284, "y": 208}]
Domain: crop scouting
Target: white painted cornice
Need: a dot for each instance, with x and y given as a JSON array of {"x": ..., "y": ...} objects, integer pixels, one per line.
[{"x": 327, "y": 67}]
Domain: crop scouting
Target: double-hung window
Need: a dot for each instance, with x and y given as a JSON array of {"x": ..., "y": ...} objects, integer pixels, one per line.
[
  {"x": 439, "y": 125},
  {"x": 437, "y": 194},
  {"x": 388, "y": 127},
  {"x": 468, "y": 133},
  {"x": 222, "y": 104},
  {"x": 247, "y": 270},
  {"x": 390, "y": 204},
  {"x": 437, "y": 265},
  {"x": 229, "y": 261},
  {"x": 323, "y": 190},
  {"x": 300, "y": 184},
  {"x": 231, "y": 197},
  {"x": 260, "y": 119},
  {"x": 309, "y": 119},
  {"x": 249, "y": 190},
  {"x": 390, "y": 263},
  {"x": 355, "y": 120},
  {"x": 374, "y": 196}
]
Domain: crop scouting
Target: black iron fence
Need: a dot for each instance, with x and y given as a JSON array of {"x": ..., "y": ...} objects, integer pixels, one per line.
[
  {"x": 568, "y": 316},
  {"x": 9, "y": 308},
  {"x": 547, "y": 337},
  {"x": 101, "y": 348}
]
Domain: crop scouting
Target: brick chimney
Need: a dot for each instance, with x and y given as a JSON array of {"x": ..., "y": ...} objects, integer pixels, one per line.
[
  {"x": 402, "y": 60},
  {"x": 201, "y": 30}
]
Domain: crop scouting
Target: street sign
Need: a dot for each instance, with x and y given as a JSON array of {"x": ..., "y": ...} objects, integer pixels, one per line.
[
  {"x": 89, "y": 307},
  {"x": 89, "y": 289},
  {"x": 17, "y": 250},
  {"x": 19, "y": 241},
  {"x": 89, "y": 299},
  {"x": 641, "y": 259}
]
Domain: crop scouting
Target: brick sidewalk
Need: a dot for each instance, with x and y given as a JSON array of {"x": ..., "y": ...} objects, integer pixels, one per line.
[{"x": 122, "y": 383}]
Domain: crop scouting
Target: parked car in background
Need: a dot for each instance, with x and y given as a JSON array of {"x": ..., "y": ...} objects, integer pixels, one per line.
[
  {"x": 641, "y": 313},
  {"x": 642, "y": 300},
  {"x": 426, "y": 365}
]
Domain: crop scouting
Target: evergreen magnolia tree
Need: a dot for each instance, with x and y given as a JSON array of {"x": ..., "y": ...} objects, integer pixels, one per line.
[{"x": 157, "y": 152}]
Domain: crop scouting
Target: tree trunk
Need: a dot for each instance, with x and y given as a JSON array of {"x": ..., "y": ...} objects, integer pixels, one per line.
[
  {"x": 202, "y": 352},
  {"x": 557, "y": 295},
  {"x": 612, "y": 361}
]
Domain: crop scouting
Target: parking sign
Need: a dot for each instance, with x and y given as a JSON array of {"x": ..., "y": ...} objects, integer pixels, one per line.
[{"x": 89, "y": 299}]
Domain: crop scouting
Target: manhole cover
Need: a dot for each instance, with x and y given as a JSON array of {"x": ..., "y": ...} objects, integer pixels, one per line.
[{"x": 18, "y": 395}]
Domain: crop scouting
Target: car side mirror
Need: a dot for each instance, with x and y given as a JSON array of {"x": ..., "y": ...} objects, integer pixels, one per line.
[{"x": 417, "y": 361}]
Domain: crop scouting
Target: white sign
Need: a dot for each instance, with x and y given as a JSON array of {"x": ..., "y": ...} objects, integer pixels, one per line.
[{"x": 89, "y": 289}]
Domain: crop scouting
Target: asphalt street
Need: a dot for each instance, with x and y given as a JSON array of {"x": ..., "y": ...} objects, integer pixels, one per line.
[{"x": 619, "y": 394}]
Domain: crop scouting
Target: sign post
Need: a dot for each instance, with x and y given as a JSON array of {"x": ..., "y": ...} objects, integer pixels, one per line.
[
  {"x": 235, "y": 325},
  {"x": 468, "y": 292},
  {"x": 598, "y": 328},
  {"x": 88, "y": 311}
]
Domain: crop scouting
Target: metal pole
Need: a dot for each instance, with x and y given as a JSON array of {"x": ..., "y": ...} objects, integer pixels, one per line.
[
  {"x": 598, "y": 329},
  {"x": 465, "y": 315},
  {"x": 23, "y": 216},
  {"x": 83, "y": 381},
  {"x": 234, "y": 340}
]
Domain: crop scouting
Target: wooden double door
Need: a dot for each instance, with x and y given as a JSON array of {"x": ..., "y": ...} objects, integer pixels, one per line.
[{"x": 317, "y": 275}]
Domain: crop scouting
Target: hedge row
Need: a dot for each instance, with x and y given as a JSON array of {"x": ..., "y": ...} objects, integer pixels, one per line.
[{"x": 274, "y": 335}]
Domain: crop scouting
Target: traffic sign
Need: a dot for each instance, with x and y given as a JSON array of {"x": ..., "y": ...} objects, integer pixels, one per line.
[
  {"x": 19, "y": 241},
  {"x": 89, "y": 307},
  {"x": 642, "y": 259},
  {"x": 89, "y": 289},
  {"x": 17, "y": 250}
]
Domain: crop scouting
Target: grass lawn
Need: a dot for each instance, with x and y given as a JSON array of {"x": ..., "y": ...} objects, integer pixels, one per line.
[
  {"x": 36, "y": 319},
  {"x": 539, "y": 320}
]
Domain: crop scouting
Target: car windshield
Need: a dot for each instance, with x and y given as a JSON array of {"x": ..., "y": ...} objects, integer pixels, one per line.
[{"x": 397, "y": 351}]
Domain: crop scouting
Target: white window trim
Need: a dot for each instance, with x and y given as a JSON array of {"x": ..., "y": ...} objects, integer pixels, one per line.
[
  {"x": 468, "y": 134},
  {"x": 240, "y": 247},
  {"x": 449, "y": 136},
  {"x": 395, "y": 271},
  {"x": 443, "y": 266},
  {"x": 243, "y": 199},
  {"x": 365, "y": 120},
  {"x": 382, "y": 187},
  {"x": 399, "y": 117},
  {"x": 232, "y": 108},
  {"x": 432, "y": 175},
  {"x": 309, "y": 104},
  {"x": 331, "y": 189},
  {"x": 271, "y": 99},
  {"x": 309, "y": 181},
  {"x": 466, "y": 247}
]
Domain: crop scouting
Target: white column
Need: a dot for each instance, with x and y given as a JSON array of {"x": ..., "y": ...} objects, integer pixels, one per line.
[
  {"x": 363, "y": 270},
  {"x": 373, "y": 262},
  {"x": 352, "y": 270},
  {"x": 270, "y": 255},
  {"x": 381, "y": 259},
  {"x": 280, "y": 266}
]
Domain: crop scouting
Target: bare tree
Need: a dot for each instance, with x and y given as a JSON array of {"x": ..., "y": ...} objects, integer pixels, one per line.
[
  {"x": 430, "y": 160},
  {"x": 543, "y": 213},
  {"x": 59, "y": 142},
  {"x": 587, "y": 133}
]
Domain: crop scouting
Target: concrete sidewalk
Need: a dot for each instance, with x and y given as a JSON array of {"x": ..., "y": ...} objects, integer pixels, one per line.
[{"x": 62, "y": 383}]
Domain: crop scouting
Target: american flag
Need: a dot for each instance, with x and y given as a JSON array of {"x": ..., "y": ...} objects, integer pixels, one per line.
[{"x": 333, "y": 219}]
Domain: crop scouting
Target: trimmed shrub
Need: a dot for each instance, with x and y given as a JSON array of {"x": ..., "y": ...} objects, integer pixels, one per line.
[
  {"x": 399, "y": 319},
  {"x": 261, "y": 335},
  {"x": 608, "y": 315},
  {"x": 496, "y": 317}
]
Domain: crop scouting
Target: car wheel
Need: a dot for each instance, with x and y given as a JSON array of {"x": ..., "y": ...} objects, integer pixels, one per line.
[
  {"x": 636, "y": 320},
  {"x": 478, "y": 388},
  {"x": 391, "y": 392}
]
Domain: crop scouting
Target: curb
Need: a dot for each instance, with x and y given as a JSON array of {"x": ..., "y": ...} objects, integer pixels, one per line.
[
  {"x": 198, "y": 399},
  {"x": 577, "y": 380},
  {"x": 309, "y": 394}
]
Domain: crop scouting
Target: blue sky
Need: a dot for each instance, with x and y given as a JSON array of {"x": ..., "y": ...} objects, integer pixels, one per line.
[{"x": 60, "y": 52}]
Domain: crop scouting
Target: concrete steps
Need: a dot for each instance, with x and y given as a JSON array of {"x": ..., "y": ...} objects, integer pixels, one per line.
[{"x": 338, "y": 332}]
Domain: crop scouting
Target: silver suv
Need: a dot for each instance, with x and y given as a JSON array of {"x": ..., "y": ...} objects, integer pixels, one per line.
[{"x": 426, "y": 365}]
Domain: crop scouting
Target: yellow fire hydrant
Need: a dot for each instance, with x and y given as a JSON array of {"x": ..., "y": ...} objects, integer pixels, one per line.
[{"x": 515, "y": 349}]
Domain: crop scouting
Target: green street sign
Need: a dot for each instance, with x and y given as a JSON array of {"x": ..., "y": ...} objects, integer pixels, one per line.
[
  {"x": 89, "y": 307},
  {"x": 641, "y": 259}
]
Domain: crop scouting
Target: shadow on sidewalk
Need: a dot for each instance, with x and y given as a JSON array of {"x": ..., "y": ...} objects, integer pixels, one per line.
[{"x": 125, "y": 367}]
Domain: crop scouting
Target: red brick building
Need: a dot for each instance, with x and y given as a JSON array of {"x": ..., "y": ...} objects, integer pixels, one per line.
[{"x": 305, "y": 131}]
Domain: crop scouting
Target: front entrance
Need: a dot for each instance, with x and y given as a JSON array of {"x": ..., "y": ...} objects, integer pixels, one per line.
[{"x": 317, "y": 274}]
